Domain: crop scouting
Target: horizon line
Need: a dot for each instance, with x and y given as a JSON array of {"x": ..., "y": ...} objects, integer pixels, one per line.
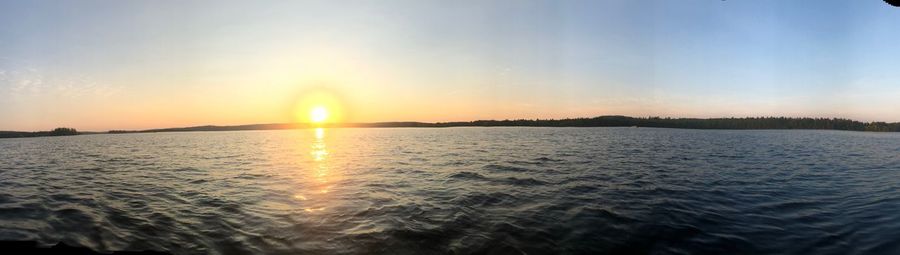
[{"x": 332, "y": 124}]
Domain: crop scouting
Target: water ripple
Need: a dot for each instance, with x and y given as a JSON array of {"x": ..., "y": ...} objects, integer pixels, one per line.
[{"x": 457, "y": 190}]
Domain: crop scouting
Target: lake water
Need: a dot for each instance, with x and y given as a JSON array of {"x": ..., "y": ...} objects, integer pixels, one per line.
[{"x": 458, "y": 190}]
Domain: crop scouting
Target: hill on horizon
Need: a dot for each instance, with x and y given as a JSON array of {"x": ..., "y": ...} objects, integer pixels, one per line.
[{"x": 600, "y": 121}]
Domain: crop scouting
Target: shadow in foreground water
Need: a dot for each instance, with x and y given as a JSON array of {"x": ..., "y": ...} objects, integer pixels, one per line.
[{"x": 31, "y": 247}]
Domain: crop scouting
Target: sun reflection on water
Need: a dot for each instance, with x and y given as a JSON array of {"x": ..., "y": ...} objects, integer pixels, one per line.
[
  {"x": 320, "y": 179},
  {"x": 318, "y": 147}
]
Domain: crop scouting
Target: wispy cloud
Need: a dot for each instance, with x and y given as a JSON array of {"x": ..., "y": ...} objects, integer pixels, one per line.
[
  {"x": 81, "y": 86},
  {"x": 30, "y": 81}
]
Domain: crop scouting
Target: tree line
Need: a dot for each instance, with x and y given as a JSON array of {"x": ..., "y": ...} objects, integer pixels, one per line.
[
  {"x": 601, "y": 121},
  {"x": 692, "y": 123},
  {"x": 55, "y": 132}
]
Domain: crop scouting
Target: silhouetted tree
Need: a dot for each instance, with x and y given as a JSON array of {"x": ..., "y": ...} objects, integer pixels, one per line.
[{"x": 63, "y": 131}]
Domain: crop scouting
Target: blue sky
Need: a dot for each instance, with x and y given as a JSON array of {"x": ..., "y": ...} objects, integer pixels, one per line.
[{"x": 99, "y": 65}]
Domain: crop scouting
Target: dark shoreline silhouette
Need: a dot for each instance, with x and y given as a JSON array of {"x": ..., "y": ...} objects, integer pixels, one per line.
[
  {"x": 749, "y": 123},
  {"x": 601, "y": 121},
  {"x": 55, "y": 132}
]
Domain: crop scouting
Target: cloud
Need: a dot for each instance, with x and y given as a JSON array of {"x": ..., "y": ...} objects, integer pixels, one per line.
[
  {"x": 21, "y": 82},
  {"x": 30, "y": 81},
  {"x": 82, "y": 86}
]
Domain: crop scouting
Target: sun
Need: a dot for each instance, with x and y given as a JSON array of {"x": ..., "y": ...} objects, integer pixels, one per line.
[
  {"x": 318, "y": 114},
  {"x": 318, "y": 107}
]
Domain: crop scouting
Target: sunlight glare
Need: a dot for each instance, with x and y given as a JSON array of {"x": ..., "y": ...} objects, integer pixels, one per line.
[
  {"x": 318, "y": 114},
  {"x": 320, "y": 133},
  {"x": 319, "y": 107}
]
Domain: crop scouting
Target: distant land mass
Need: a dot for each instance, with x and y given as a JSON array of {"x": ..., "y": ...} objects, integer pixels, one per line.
[
  {"x": 55, "y": 132},
  {"x": 601, "y": 121}
]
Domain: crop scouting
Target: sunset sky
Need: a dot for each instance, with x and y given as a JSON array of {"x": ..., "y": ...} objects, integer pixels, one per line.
[{"x": 100, "y": 65}]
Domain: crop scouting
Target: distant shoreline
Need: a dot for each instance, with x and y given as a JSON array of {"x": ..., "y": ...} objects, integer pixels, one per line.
[
  {"x": 55, "y": 132},
  {"x": 749, "y": 123}
]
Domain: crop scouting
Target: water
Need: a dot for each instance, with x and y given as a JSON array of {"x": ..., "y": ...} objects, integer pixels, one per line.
[{"x": 458, "y": 190}]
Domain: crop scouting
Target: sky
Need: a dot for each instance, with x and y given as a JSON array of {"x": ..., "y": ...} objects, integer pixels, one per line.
[{"x": 101, "y": 65}]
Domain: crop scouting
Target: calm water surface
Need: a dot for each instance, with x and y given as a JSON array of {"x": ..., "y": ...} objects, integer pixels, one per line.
[{"x": 458, "y": 190}]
